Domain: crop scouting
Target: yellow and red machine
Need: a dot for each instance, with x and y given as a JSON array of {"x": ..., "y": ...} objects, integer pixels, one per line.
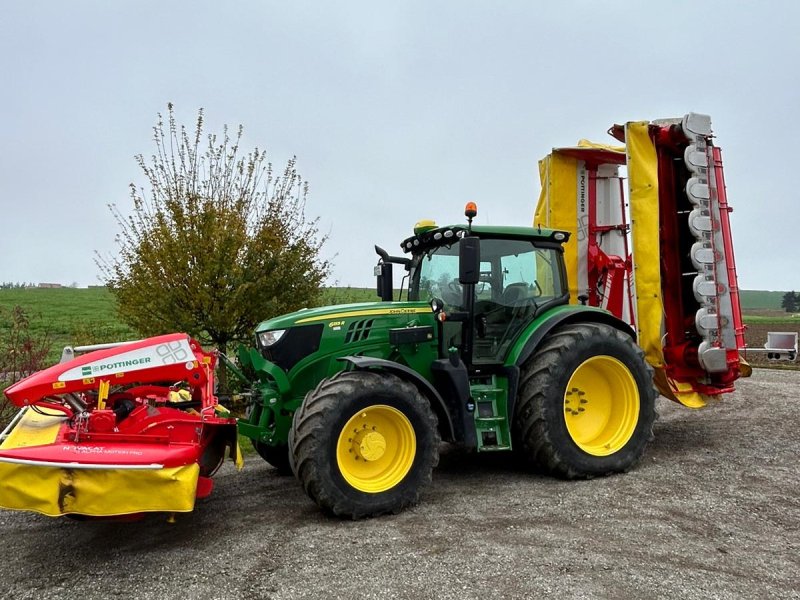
[
  {"x": 662, "y": 259},
  {"x": 123, "y": 430},
  {"x": 354, "y": 399}
]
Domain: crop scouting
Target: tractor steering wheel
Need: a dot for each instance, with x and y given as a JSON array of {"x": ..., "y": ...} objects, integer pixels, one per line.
[{"x": 453, "y": 294}]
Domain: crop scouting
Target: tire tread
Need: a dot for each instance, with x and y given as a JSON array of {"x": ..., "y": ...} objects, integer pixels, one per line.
[{"x": 533, "y": 431}]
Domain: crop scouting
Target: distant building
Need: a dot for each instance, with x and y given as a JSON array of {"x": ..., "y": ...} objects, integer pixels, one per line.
[{"x": 50, "y": 285}]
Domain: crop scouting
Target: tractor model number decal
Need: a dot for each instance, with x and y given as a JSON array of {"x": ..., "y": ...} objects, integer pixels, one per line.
[{"x": 336, "y": 325}]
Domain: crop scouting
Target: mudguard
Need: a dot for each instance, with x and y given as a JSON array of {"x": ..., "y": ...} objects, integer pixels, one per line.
[
  {"x": 563, "y": 315},
  {"x": 422, "y": 384}
]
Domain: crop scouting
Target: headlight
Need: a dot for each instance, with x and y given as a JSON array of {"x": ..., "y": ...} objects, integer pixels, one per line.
[{"x": 268, "y": 338}]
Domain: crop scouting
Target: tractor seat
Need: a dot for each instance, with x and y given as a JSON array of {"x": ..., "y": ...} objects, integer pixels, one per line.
[{"x": 514, "y": 293}]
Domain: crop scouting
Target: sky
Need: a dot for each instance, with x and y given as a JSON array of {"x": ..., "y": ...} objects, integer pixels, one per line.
[{"x": 396, "y": 112}]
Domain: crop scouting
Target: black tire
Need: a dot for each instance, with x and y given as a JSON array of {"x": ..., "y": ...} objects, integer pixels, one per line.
[
  {"x": 541, "y": 434},
  {"x": 277, "y": 456},
  {"x": 341, "y": 401},
  {"x": 293, "y": 428}
]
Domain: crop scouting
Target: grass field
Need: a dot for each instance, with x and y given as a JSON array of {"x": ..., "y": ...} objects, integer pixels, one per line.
[
  {"x": 778, "y": 318},
  {"x": 760, "y": 299},
  {"x": 76, "y": 316},
  {"x": 70, "y": 316}
]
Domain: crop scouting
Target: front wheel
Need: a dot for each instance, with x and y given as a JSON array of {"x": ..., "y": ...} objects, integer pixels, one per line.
[
  {"x": 587, "y": 403},
  {"x": 277, "y": 456},
  {"x": 364, "y": 443}
]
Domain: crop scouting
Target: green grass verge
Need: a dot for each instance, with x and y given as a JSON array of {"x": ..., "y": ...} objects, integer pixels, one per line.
[
  {"x": 347, "y": 295},
  {"x": 771, "y": 319},
  {"x": 246, "y": 446},
  {"x": 768, "y": 319}
]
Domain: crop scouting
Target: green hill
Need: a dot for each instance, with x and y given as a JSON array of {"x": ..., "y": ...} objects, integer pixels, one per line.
[{"x": 760, "y": 299}]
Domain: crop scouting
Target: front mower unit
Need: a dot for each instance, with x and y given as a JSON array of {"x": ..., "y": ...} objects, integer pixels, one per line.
[{"x": 127, "y": 429}]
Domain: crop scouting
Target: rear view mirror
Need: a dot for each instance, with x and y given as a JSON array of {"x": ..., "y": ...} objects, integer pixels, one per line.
[{"x": 469, "y": 260}]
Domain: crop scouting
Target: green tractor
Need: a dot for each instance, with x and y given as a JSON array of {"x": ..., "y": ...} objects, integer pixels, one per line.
[{"x": 486, "y": 352}]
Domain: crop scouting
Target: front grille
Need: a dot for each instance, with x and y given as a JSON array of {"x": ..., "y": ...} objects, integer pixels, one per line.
[{"x": 294, "y": 346}]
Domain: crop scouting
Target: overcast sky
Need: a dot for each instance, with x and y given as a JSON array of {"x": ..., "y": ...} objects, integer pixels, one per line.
[{"x": 396, "y": 113}]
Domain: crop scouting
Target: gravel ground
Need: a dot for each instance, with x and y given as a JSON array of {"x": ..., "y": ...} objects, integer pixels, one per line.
[{"x": 713, "y": 511}]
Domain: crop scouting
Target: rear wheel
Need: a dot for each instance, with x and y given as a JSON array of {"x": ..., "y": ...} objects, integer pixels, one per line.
[
  {"x": 586, "y": 404},
  {"x": 364, "y": 443}
]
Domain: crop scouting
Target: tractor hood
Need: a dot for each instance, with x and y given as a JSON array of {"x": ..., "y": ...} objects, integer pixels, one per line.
[
  {"x": 342, "y": 312},
  {"x": 288, "y": 340}
]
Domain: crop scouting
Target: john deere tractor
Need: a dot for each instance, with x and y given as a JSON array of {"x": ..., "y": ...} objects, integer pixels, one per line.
[{"x": 485, "y": 352}]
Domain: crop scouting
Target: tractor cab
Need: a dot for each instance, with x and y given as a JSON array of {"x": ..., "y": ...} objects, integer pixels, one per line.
[{"x": 485, "y": 283}]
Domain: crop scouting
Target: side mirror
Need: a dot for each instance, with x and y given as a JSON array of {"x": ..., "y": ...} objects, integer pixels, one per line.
[
  {"x": 469, "y": 260},
  {"x": 385, "y": 287}
]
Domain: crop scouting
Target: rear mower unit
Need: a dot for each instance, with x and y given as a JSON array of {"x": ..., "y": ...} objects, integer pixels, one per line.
[{"x": 662, "y": 259}]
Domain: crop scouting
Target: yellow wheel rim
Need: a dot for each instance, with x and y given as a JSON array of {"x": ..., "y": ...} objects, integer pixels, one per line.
[
  {"x": 601, "y": 405},
  {"x": 376, "y": 449}
]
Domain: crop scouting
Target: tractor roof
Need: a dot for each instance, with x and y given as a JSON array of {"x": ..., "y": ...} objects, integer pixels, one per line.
[{"x": 450, "y": 233}]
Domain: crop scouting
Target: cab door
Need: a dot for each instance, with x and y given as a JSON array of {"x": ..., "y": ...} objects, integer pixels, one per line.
[{"x": 521, "y": 279}]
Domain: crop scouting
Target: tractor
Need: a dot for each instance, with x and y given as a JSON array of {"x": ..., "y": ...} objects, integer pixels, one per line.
[{"x": 485, "y": 352}]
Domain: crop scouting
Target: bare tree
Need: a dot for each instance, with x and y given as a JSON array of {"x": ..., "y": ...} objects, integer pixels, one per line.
[{"x": 218, "y": 242}]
